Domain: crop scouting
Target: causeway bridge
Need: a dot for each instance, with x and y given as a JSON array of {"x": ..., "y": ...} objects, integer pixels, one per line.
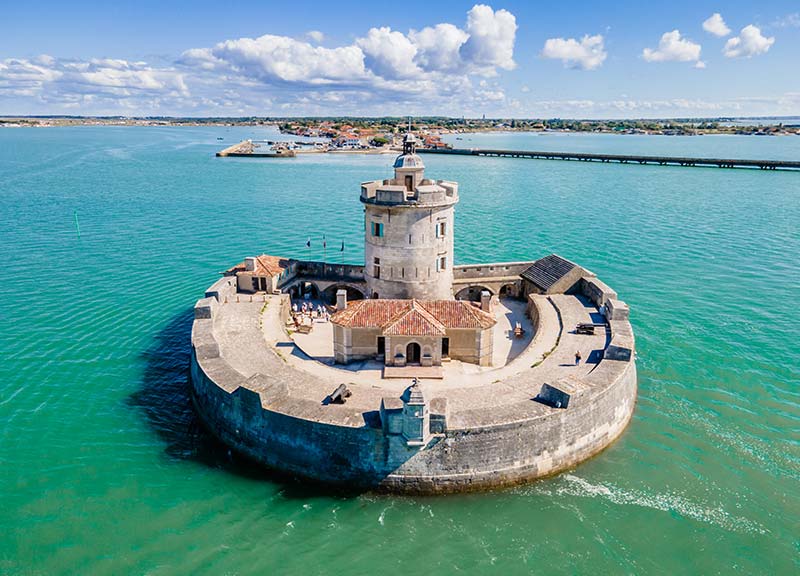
[{"x": 621, "y": 158}]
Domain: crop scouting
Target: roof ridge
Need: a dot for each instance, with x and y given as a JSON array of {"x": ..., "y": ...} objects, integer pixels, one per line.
[
  {"x": 419, "y": 306},
  {"x": 396, "y": 317},
  {"x": 415, "y": 306}
]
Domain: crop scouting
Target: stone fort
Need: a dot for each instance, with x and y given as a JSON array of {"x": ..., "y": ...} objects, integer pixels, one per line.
[{"x": 410, "y": 373}]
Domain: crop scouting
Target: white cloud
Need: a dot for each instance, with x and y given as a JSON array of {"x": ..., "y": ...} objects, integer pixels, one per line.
[
  {"x": 438, "y": 47},
  {"x": 673, "y": 48},
  {"x": 587, "y": 54},
  {"x": 103, "y": 76},
  {"x": 749, "y": 42},
  {"x": 389, "y": 53},
  {"x": 785, "y": 104},
  {"x": 382, "y": 55},
  {"x": 491, "y": 38},
  {"x": 431, "y": 65},
  {"x": 315, "y": 36},
  {"x": 280, "y": 58},
  {"x": 109, "y": 86},
  {"x": 716, "y": 25},
  {"x": 491, "y": 95},
  {"x": 788, "y": 21}
]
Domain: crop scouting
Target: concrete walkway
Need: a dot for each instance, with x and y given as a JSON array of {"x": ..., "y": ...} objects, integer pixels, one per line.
[
  {"x": 547, "y": 356},
  {"x": 254, "y": 341},
  {"x": 318, "y": 344}
]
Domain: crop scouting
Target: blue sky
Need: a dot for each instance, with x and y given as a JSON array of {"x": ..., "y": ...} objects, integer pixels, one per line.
[{"x": 502, "y": 59}]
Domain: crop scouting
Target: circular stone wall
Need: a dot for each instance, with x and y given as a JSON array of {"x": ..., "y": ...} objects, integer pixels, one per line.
[{"x": 278, "y": 416}]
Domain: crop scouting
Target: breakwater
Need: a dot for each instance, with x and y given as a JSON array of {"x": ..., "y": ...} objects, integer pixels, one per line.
[
  {"x": 622, "y": 158},
  {"x": 246, "y": 148}
]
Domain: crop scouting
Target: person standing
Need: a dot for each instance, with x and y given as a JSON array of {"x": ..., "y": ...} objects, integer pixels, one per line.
[{"x": 577, "y": 357}]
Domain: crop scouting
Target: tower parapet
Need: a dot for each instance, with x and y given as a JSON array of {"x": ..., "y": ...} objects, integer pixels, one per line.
[{"x": 409, "y": 221}]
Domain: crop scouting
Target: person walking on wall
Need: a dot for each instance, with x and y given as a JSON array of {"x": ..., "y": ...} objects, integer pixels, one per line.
[{"x": 577, "y": 357}]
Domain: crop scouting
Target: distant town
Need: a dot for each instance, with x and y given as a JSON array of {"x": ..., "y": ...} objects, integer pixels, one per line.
[{"x": 382, "y": 133}]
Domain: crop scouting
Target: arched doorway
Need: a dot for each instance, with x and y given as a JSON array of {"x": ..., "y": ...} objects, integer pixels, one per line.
[
  {"x": 412, "y": 353},
  {"x": 329, "y": 294},
  {"x": 309, "y": 291},
  {"x": 472, "y": 293},
  {"x": 508, "y": 291}
]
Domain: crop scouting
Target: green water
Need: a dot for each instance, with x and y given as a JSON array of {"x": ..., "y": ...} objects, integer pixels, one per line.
[{"x": 104, "y": 470}]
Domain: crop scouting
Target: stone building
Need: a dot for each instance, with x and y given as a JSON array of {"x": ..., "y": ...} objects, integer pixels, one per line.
[
  {"x": 551, "y": 275},
  {"x": 403, "y": 332},
  {"x": 261, "y": 273},
  {"x": 408, "y": 225}
]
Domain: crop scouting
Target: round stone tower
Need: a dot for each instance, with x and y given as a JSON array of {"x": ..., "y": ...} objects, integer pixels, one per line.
[{"x": 408, "y": 231}]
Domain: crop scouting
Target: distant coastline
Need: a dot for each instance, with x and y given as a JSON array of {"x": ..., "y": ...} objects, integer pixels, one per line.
[{"x": 333, "y": 127}]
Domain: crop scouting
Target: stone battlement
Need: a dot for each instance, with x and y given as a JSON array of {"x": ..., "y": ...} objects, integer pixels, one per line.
[{"x": 500, "y": 428}]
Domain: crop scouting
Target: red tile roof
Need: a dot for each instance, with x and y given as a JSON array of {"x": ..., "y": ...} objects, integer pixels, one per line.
[
  {"x": 415, "y": 320},
  {"x": 266, "y": 265},
  {"x": 413, "y": 317}
]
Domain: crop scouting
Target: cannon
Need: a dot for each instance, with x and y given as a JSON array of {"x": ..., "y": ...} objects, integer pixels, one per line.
[{"x": 340, "y": 395}]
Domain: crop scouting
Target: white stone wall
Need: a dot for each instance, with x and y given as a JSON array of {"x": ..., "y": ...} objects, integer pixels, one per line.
[{"x": 409, "y": 251}]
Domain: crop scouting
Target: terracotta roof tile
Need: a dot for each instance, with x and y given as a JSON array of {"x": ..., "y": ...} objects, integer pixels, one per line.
[
  {"x": 369, "y": 313},
  {"x": 416, "y": 321},
  {"x": 266, "y": 265},
  {"x": 413, "y": 317}
]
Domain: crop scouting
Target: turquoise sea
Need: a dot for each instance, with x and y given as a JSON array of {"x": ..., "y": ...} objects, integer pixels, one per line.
[{"x": 104, "y": 469}]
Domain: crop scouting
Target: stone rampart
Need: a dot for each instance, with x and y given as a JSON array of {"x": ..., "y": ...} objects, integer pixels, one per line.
[
  {"x": 498, "y": 269},
  {"x": 329, "y": 271},
  {"x": 467, "y": 447},
  {"x": 223, "y": 288}
]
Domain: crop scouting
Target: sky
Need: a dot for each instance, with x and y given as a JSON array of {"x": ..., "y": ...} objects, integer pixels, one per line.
[{"x": 513, "y": 59}]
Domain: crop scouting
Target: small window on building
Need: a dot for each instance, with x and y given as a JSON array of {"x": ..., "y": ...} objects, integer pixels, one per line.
[
  {"x": 441, "y": 263},
  {"x": 376, "y": 269},
  {"x": 377, "y": 229},
  {"x": 441, "y": 229}
]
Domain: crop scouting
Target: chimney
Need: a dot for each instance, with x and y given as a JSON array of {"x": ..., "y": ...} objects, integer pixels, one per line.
[
  {"x": 486, "y": 301},
  {"x": 250, "y": 264},
  {"x": 341, "y": 299}
]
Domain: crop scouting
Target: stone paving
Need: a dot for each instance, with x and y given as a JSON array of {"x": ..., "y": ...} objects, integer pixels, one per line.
[
  {"x": 254, "y": 343},
  {"x": 318, "y": 344}
]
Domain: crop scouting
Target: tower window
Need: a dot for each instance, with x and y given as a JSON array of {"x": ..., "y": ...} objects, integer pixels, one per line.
[
  {"x": 376, "y": 268},
  {"x": 377, "y": 229},
  {"x": 441, "y": 263},
  {"x": 441, "y": 229}
]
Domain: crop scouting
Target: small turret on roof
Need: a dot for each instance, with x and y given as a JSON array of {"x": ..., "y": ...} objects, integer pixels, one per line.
[
  {"x": 415, "y": 396},
  {"x": 409, "y": 143}
]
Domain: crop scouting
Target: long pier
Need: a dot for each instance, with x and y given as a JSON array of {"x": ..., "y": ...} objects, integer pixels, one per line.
[{"x": 621, "y": 158}]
